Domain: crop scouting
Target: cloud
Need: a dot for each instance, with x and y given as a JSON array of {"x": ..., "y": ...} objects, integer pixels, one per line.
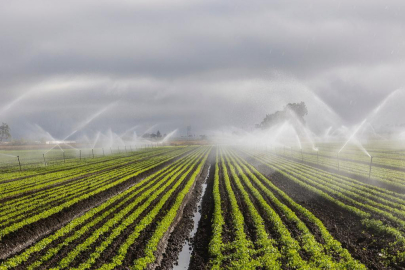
[{"x": 205, "y": 63}]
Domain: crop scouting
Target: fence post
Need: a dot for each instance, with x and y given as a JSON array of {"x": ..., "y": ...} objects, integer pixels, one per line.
[{"x": 19, "y": 163}]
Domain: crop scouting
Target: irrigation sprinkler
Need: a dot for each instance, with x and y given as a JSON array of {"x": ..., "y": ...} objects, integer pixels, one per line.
[
  {"x": 317, "y": 157},
  {"x": 302, "y": 156},
  {"x": 119, "y": 149},
  {"x": 111, "y": 150},
  {"x": 64, "y": 160},
  {"x": 92, "y": 152},
  {"x": 284, "y": 150},
  {"x": 130, "y": 148},
  {"x": 19, "y": 163},
  {"x": 103, "y": 152},
  {"x": 125, "y": 148},
  {"x": 43, "y": 155},
  {"x": 291, "y": 151},
  {"x": 371, "y": 164},
  {"x": 80, "y": 154}
]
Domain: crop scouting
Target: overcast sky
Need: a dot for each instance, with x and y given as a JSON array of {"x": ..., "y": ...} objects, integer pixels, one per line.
[{"x": 209, "y": 64}]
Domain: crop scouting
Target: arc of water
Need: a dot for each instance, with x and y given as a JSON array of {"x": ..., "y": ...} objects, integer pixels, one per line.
[
  {"x": 169, "y": 135},
  {"x": 353, "y": 134}
]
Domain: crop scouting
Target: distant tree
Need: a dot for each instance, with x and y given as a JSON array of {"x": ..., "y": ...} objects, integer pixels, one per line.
[
  {"x": 299, "y": 109},
  {"x": 4, "y": 132},
  {"x": 158, "y": 134},
  {"x": 292, "y": 112}
]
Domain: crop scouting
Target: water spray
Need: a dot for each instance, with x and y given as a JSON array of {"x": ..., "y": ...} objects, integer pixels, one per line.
[
  {"x": 338, "y": 161},
  {"x": 353, "y": 134}
]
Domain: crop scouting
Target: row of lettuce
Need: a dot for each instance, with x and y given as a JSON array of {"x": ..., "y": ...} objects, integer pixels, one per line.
[
  {"x": 242, "y": 191},
  {"x": 117, "y": 224},
  {"x": 380, "y": 210},
  {"x": 389, "y": 172},
  {"x": 24, "y": 210}
]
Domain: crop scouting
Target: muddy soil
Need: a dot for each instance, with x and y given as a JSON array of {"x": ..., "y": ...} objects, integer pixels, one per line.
[
  {"x": 183, "y": 229},
  {"x": 20, "y": 239},
  {"x": 363, "y": 244}
]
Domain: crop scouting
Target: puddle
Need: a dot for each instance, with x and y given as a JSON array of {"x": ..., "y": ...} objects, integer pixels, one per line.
[{"x": 185, "y": 253}]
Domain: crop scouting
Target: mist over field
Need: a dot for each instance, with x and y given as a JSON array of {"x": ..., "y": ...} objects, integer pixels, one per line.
[{"x": 215, "y": 66}]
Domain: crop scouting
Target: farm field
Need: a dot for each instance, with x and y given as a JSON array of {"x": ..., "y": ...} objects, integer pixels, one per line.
[{"x": 259, "y": 208}]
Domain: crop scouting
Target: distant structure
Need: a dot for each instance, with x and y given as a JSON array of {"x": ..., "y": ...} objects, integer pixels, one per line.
[{"x": 189, "y": 131}]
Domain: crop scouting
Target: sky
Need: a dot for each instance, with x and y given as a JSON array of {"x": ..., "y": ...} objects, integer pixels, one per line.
[{"x": 208, "y": 64}]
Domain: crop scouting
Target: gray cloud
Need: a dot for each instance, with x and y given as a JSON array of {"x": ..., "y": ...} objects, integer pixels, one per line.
[{"x": 209, "y": 63}]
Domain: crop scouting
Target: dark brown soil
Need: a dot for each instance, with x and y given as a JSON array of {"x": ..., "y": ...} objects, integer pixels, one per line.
[
  {"x": 16, "y": 241},
  {"x": 345, "y": 227},
  {"x": 183, "y": 229},
  {"x": 200, "y": 242}
]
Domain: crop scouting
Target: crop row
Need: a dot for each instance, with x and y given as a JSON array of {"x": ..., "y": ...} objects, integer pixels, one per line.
[
  {"x": 127, "y": 214},
  {"x": 379, "y": 210},
  {"x": 65, "y": 204},
  {"x": 51, "y": 197},
  {"x": 15, "y": 187},
  {"x": 391, "y": 176},
  {"x": 271, "y": 244}
]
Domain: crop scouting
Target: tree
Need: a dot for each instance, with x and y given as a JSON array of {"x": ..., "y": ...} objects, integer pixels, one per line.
[
  {"x": 299, "y": 109},
  {"x": 4, "y": 132},
  {"x": 291, "y": 112}
]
